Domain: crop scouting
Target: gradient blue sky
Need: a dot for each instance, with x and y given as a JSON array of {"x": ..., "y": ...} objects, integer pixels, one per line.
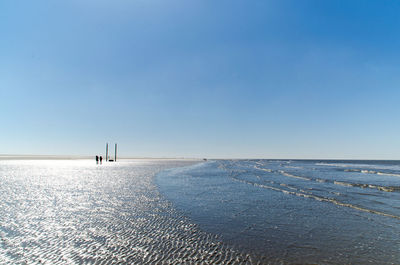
[{"x": 207, "y": 78}]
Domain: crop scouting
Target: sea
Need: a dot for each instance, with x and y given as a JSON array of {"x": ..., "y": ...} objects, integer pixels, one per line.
[
  {"x": 147, "y": 211},
  {"x": 294, "y": 211}
]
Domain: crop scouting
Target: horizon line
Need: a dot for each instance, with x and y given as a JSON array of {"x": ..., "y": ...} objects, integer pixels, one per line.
[{"x": 77, "y": 157}]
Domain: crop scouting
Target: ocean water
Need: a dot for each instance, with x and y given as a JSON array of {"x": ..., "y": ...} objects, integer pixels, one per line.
[
  {"x": 77, "y": 212},
  {"x": 292, "y": 211}
]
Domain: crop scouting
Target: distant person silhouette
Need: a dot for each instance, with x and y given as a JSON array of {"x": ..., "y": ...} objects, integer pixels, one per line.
[
  {"x": 97, "y": 159},
  {"x": 101, "y": 160}
]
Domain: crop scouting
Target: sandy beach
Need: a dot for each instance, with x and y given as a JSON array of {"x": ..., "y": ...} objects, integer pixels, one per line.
[{"x": 74, "y": 212}]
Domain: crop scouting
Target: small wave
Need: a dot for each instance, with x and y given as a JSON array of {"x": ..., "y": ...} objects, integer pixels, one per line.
[
  {"x": 295, "y": 167},
  {"x": 388, "y": 189},
  {"x": 365, "y": 171},
  {"x": 331, "y": 165},
  {"x": 371, "y": 186},
  {"x": 337, "y": 182},
  {"x": 352, "y": 170},
  {"x": 388, "y": 174},
  {"x": 263, "y": 169},
  {"x": 318, "y": 198},
  {"x": 341, "y": 183},
  {"x": 284, "y": 173},
  {"x": 292, "y": 176},
  {"x": 362, "y": 166},
  {"x": 288, "y": 186}
]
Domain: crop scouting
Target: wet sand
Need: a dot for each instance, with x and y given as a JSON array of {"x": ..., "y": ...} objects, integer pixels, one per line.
[{"x": 74, "y": 212}]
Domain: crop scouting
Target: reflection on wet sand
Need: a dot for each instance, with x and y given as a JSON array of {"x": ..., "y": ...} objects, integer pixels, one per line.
[{"x": 72, "y": 212}]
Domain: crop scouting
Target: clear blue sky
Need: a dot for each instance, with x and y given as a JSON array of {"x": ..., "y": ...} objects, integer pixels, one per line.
[{"x": 206, "y": 78}]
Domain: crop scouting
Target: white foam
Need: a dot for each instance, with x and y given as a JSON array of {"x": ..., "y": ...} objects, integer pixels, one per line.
[{"x": 293, "y": 176}]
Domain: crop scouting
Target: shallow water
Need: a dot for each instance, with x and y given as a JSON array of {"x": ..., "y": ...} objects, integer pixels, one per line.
[
  {"x": 75, "y": 212},
  {"x": 324, "y": 212}
]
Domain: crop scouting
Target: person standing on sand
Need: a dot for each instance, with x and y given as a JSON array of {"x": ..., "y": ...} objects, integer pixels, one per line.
[
  {"x": 101, "y": 160},
  {"x": 97, "y": 160}
]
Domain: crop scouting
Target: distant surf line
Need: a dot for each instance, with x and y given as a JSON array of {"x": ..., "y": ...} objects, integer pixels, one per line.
[
  {"x": 318, "y": 198},
  {"x": 341, "y": 183}
]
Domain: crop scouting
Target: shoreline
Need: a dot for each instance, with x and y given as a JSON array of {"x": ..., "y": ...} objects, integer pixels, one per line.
[{"x": 67, "y": 157}]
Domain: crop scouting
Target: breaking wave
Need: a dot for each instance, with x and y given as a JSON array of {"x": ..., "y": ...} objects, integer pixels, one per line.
[
  {"x": 336, "y": 182},
  {"x": 301, "y": 193}
]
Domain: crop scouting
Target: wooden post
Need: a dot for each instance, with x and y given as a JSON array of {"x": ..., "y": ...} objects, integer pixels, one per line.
[
  {"x": 115, "y": 156},
  {"x": 106, "y": 151}
]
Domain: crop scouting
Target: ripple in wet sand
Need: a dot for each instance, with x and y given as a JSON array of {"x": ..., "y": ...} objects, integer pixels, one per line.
[{"x": 77, "y": 213}]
